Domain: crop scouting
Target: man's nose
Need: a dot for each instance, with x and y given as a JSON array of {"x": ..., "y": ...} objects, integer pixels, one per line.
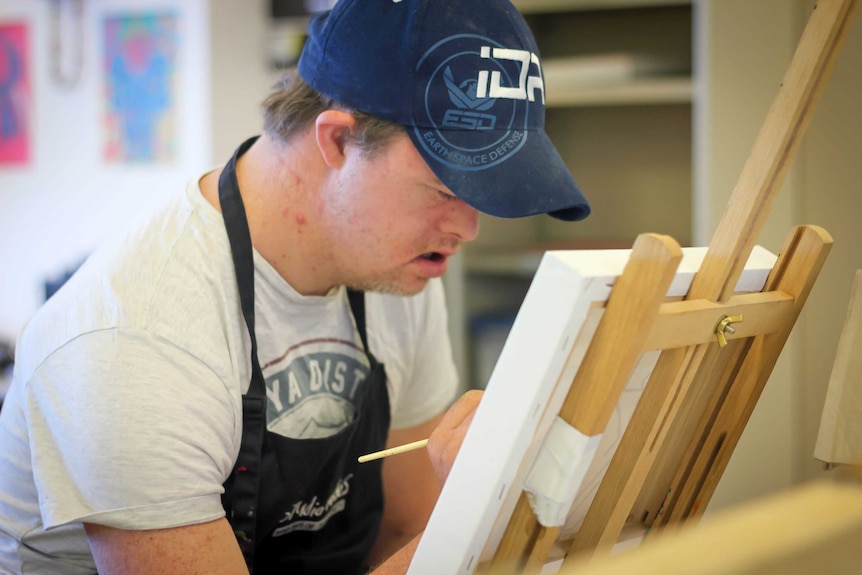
[{"x": 462, "y": 221}]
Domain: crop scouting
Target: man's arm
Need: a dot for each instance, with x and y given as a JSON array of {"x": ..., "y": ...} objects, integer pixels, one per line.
[{"x": 202, "y": 549}]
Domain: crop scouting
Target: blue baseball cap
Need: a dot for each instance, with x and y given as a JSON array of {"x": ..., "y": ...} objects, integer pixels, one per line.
[{"x": 465, "y": 80}]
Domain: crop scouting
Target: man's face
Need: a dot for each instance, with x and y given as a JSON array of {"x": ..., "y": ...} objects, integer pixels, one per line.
[{"x": 392, "y": 224}]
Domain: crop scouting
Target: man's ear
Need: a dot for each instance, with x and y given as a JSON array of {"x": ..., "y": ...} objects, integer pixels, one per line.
[{"x": 332, "y": 131}]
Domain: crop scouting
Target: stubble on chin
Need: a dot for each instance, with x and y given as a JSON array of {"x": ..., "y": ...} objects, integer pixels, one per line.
[{"x": 387, "y": 285}]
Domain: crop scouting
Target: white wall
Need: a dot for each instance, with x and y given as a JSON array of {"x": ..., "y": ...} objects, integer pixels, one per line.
[
  {"x": 57, "y": 208},
  {"x": 241, "y": 76}
]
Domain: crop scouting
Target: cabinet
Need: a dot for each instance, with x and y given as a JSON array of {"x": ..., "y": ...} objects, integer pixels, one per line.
[{"x": 618, "y": 79}]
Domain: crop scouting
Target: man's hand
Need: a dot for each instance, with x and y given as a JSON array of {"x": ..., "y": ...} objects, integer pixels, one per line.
[{"x": 446, "y": 439}]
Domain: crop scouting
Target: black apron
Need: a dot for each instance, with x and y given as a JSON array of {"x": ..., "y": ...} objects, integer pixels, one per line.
[{"x": 301, "y": 505}]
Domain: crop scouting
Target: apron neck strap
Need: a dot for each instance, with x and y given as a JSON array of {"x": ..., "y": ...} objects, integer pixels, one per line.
[
  {"x": 239, "y": 237},
  {"x": 357, "y": 306},
  {"x": 246, "y": 473}
]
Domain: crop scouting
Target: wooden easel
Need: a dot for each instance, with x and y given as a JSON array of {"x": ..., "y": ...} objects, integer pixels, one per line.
[{"x": 718, "y": 348}]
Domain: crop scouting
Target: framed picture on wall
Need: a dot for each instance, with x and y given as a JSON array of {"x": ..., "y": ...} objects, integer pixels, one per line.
[
  {"x": 140, "y": 90},
  {"x": 15, "y": 94}
]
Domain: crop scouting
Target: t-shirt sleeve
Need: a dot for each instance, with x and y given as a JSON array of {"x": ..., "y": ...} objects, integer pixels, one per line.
[
  {"x": 129, "y": 431},
  {"x": 423, "y": 379}
]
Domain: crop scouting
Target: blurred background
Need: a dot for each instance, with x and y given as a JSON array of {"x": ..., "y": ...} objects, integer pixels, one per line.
[{"x": 108, "y": 108}]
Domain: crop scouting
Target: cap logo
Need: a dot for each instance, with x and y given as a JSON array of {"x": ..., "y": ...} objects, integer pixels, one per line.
[
  {"x": 477, "y": 101},
  {"x": 527, "y": 85},
  {"x": 466, "y": 114}
]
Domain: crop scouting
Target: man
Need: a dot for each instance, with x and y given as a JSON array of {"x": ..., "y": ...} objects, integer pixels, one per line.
[{"x": 188, "y": 403}]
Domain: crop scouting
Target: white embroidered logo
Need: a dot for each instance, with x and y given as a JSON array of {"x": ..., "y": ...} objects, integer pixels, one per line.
[
  {"x": 527, "y": 85},
  {"x": 313, "y": 515}
]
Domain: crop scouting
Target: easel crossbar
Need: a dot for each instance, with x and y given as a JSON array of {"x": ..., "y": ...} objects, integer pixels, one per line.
[{"x": 692, "y": 322}]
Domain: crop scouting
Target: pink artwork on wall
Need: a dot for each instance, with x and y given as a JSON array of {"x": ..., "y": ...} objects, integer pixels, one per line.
[{"x": 15, "y": 97}]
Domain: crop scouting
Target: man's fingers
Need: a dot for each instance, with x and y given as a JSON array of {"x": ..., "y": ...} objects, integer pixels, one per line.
[
  {"x": 446, "y": 439},
  {"x": 461, "y": 409}
]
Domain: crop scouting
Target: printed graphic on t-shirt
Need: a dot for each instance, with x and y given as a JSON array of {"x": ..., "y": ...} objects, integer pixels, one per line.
[
  {"x": 313, "y": 515},
  {"x": 313, "y": 389}
]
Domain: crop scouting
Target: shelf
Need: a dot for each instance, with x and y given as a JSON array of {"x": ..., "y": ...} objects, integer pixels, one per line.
[
  {"x": 669, "y": 90},
  {"x": 616, "y": 78},
  {"x": 538, "y": 6}
]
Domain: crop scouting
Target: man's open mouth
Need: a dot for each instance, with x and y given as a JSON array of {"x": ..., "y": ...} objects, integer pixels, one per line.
[{"x": 433, "y": 256}]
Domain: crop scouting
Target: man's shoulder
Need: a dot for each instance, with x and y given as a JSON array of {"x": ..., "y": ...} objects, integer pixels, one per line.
[{"x": 160, "y": 277}]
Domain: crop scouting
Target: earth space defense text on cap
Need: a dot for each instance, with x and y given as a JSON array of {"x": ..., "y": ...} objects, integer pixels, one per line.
[{"x": 465, "y": 79}]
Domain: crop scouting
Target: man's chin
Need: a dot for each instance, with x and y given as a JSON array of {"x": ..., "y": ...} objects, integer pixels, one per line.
[{"x": 398, "y": 287}]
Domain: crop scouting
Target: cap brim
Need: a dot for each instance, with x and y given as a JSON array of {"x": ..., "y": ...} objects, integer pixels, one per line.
[{"x": 534, "y": 180}]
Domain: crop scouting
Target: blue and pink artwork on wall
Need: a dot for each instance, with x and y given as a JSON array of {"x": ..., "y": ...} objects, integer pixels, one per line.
[
  {"x": 140, "y": 62},
  {"x": 15, "y": 97}
]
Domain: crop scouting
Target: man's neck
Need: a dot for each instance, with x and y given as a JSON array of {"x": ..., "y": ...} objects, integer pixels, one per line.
[{"x": 278, "y": 199}]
